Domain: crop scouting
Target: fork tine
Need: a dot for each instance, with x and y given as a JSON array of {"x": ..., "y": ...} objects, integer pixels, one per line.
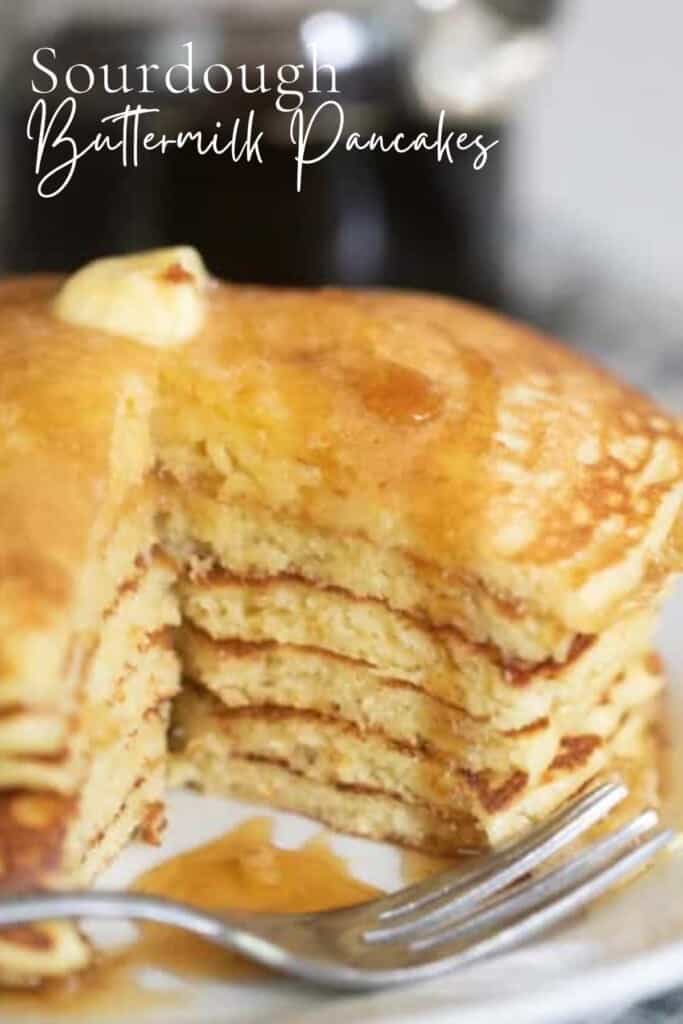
[
  {"x": 539, "y": 890},
  {"x": 458, "y": 891},
  {"x": 544, "y": 917}
]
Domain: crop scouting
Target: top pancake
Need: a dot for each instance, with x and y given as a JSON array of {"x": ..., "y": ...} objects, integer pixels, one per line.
[
  {"x": 429, "y": 426},
  {"x": 417, "y": 423}
]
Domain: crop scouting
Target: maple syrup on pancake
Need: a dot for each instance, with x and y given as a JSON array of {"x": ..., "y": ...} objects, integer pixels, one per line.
[
  {"x": 397, "y": 394},
  {"x": 242, "y": 870}
]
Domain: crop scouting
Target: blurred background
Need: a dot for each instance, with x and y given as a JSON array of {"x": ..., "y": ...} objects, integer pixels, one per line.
[{"x": 574, "y": 223}]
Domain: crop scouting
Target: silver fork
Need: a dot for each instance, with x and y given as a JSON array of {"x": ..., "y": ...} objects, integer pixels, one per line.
[{"x": 419, "y": 932}]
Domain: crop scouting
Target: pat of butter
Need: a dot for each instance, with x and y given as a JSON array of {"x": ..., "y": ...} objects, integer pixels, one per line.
[{"x": 157, "y": 297}]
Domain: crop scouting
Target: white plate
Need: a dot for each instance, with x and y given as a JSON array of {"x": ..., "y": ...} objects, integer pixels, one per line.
[{"x": 628, "y": 949}]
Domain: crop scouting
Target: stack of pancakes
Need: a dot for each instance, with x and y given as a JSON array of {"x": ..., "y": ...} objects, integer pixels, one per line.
[
  {"x": 421, "y": 558},
  {"x": 87, "y": 665},
  {"x": 407, "y": 555}
]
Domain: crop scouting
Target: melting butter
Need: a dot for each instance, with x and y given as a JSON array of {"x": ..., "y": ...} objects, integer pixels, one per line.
[{"x": 157, "y": 298}]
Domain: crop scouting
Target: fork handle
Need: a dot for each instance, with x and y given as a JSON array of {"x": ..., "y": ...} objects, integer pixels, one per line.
[
  {"x": 133, "y": 906},
  {"x": 229, "y": 931}
]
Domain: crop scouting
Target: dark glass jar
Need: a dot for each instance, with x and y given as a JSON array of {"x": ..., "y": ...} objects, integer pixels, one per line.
[{"x": 361, "y": 218}]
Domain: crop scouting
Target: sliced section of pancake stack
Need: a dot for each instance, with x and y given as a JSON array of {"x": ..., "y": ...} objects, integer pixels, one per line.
[
  {"x": 380, "y": 723},
  {"x": 420, "y": 560},
  {"x": 407, "y": 554}
]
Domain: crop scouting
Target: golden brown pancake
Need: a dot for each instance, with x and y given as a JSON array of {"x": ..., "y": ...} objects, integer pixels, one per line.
[{"x": 409, "y": 555}]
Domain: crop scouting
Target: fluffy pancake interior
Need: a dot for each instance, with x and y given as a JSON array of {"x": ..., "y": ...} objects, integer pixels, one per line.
[
  {"x": 360, "y": 787},
  {"x": 272, "y": 676},
  {"x": 394, "y": 646}
]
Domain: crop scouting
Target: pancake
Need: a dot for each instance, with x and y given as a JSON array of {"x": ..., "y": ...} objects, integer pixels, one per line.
[
  {"x": 408, "y": 555},
  {"x": 338, "y": 752},
  {"x": 439, "y": 661},
  {"x": 483, "y": 812},
  {"x": 275, "y": 677},
  {"x": 437, "y": 434}
]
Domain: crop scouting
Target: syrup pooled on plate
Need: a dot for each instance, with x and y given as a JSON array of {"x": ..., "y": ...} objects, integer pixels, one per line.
[
  {"x": 242, "y": 870},
  {"x": 418, "y": 867}
]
